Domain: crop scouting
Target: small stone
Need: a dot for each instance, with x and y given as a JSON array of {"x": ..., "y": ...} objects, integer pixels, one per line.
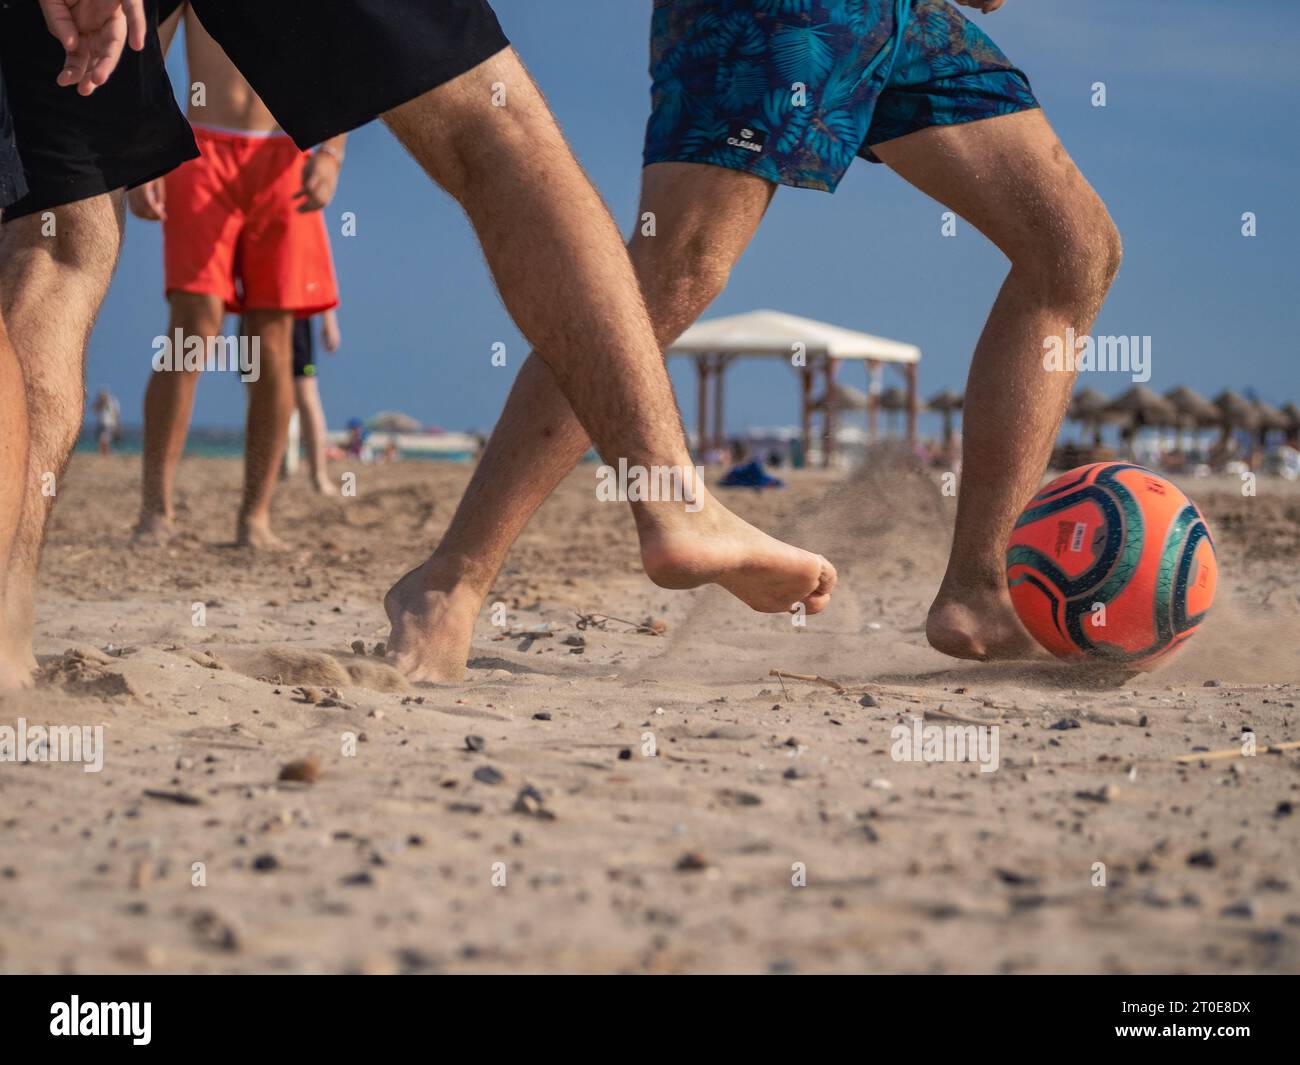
[
  {"x": 529, "y": 802},
  {"x": 1242, "y": 908},
  {"x": 184, "y": 762},
  {"x": 542, "y": 715},
  {"x": 265, "y": 863},
  {"x": 691, "y": 862},
  {"x": 1203, "y": 859},
  {"x": 1010, "y": 876},
  {"x": 358, "y": 647},
  {"x": 881, "y": 784},
  {"x": 1212, "y": 684},
  {"x": 794, "y": 773},
  {"x": 1284, "y": 809},
  {"x": 868, "y": 700},
  {"x": 625, "y": 755},
  {"x": 1065, "y": 724},
  {"x": 475, "y": 743},
  {"x": 362, "y": 879},
  {"x": 304, "y": 770},
  {"x": 486, "y": 774},
  {"x": 380, "y": 651}
]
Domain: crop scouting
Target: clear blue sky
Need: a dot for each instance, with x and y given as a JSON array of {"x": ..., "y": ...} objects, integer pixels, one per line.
[{"x": 1203, "y": 105}]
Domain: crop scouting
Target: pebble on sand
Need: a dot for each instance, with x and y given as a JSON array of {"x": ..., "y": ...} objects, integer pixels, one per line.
[{"x": 305, "y": 770}]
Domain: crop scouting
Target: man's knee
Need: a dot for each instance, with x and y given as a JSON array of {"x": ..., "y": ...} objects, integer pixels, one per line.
[
  {"x": 1080, "y": 257},
  {"x": 682, "y": 277},
  {"x": 83, "y": 238}
]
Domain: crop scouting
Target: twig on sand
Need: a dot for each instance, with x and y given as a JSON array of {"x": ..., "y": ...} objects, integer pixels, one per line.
[
  {"x": 1236, "y": 752},
  {"x": 810, "y": 678},
  {"x": 948, "y": 715},
  {"x": 598, "y": 621}
]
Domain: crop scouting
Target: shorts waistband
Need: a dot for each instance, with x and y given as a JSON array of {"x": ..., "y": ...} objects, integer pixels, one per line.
[{"x": 202, "y": 129}]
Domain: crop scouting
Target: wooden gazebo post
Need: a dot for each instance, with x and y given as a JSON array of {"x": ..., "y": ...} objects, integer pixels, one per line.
[
  {"x": 911, "y": 404},
  {"x": 805, "y": 409},
  {"x": 719, "y": 433},
  {"x": 702, "y": 406},
  {"x": 830, "y": 369},
  {"x": 873, "y": 401}
]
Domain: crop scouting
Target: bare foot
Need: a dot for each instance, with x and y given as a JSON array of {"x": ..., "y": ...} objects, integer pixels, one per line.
[
  {"x": 981, "y": 625},
  {"x": 153, "y": 530},
  {"x": 432, "y": 625},
  {"x": 326, "y": 487},
  {"x": 257, "y": 534},
  {"x": 715, "y": 547}
]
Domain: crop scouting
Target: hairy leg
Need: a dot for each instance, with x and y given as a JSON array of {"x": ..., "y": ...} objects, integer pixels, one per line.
[
  {"x": 270, "y": 406},
  {"x": 1012, "y": 180},
  {"x": 14, "y": 671},
  {"x": 168, "y": 405},
  {"x": 532, "y": 207},
  {"x": 704, "y": 219},
  {"x": 311, "y": 416},
  {"x": 53, "y": 276}
]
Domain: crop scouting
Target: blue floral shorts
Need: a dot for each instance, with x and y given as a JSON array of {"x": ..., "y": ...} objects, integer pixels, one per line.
[{"x": 795, "y": 90}]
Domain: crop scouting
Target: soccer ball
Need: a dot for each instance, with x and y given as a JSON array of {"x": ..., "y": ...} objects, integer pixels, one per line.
[{"x": 1111, "y": 561}]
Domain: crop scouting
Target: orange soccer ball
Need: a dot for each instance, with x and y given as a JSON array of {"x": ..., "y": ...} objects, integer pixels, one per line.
[{"x": 1111, "y": 561}]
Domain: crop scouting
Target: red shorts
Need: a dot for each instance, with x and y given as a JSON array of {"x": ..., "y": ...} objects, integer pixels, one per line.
[{"x": 233, "y": 228}]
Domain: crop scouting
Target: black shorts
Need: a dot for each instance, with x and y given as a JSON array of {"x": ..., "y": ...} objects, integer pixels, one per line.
[
  {"x": 13, "y": 186},
  {"x": 304, "y": 350},
  {"x": 74, "y": 147},
  {"x": 322, "y": 67}
]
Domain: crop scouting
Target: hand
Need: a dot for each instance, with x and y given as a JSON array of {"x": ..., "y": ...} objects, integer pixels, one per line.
[
  {"x": 987, "y": 6},
  {"x": 320, "y": 177},
  {"x": 92, "y": 33},
  {"x": 329, "y": 331},
  {"x": 149, "y": 201}
]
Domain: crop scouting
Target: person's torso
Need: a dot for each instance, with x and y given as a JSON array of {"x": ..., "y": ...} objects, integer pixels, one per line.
[{"x": 218, "y": 94}]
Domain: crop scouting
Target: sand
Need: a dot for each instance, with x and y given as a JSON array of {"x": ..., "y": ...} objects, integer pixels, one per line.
[{"x": 515, "y": 823}]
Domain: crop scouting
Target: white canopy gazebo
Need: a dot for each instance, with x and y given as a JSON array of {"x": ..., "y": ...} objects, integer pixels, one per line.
[{"x": 812, "y": 348}]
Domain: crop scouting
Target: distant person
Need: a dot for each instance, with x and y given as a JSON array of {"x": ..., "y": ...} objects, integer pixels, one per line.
[
  {"x": 242, "y": 232},
  {"x": 306, "y": 394},
  {"x": 108, "y": 420}
]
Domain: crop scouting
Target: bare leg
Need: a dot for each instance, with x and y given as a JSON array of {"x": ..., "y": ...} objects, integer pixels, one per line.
[
  {"x": 51, "y": 287},
  {"x": 14, "y": 666},
  {"x": 1011, "y": 179},
  {"x": 311, "y": 415},
  {"x": 705, "y": 217},
  {"x": 532, "y": 208},
  {"x": 168, "y": 405},
  {"x": 270, "y": 406}
]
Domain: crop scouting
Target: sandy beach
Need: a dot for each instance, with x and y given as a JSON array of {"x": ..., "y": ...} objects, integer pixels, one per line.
[{"x": 516, "y": 822}]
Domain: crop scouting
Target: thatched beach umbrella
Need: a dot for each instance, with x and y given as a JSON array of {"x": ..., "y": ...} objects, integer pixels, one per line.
[
  {"x": 946, "y": 402},
  {"x": 1268, "y": 419},
  {"x": 1143, "y": 408},
  {"x": 1235, "y": 412},
  {"x": 1139, "y": 408},
  {"x": 845, "y": 397},
  {"x": 1086, "y": 408},
  {"x": 1292, "y": 413},
  {"x": 1194, "y": 412},
  {"x": 893, "y": 399}
]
